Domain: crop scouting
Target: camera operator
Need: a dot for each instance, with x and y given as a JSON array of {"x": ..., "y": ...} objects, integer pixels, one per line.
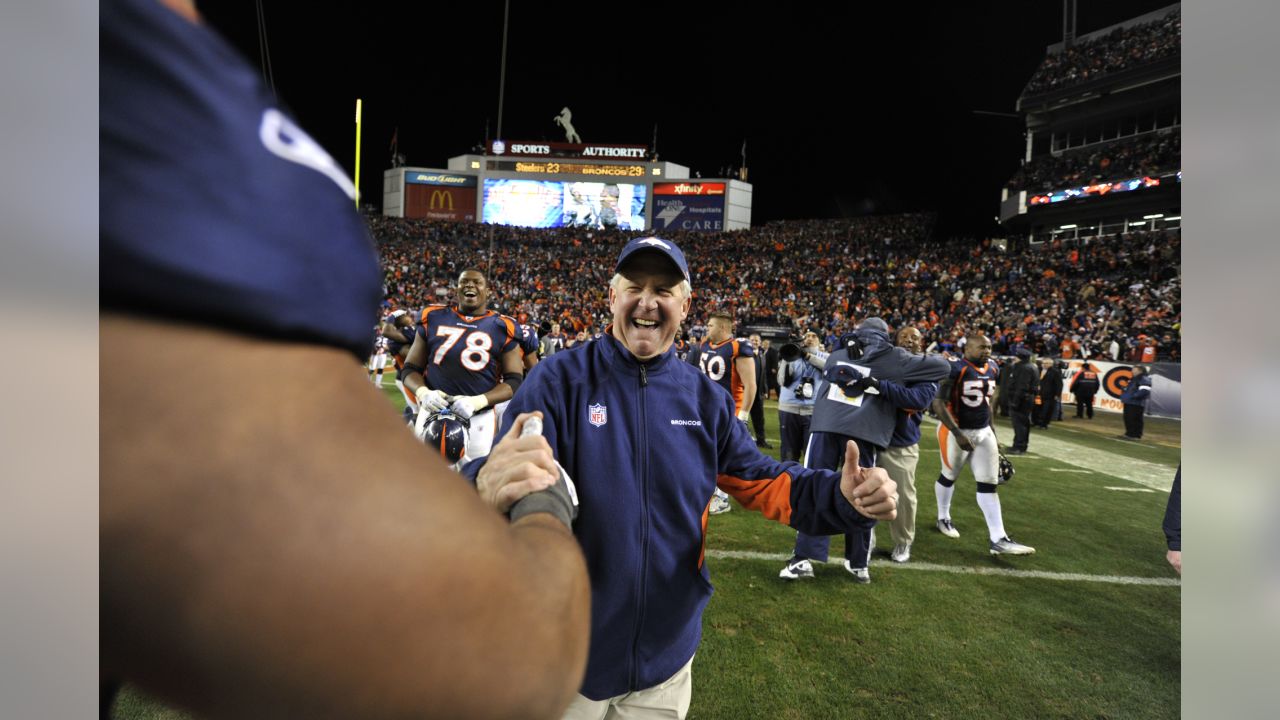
[{"x": 798, "y": 376}]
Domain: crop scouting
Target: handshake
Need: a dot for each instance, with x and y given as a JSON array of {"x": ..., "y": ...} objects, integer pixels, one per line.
[
  {"x": 851, "y": 380},
  {"x": 464, "y": 406}
]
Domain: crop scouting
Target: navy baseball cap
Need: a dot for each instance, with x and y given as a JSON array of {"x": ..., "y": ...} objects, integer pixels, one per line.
[
  {"x": 874, "y": 323},
  {"x": 1023, "y": 353},
  {"x": 666, "y": 247}
]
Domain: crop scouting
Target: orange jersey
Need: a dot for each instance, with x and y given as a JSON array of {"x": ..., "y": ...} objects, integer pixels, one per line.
[{"x": 718, "y": 363}]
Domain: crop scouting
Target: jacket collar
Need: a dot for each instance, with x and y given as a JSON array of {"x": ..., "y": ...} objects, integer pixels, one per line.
[{"x": 618, "y": 355}]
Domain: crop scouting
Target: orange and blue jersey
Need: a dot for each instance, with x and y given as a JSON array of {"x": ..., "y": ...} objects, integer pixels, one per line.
[
  {"x": 395, "y": 346},
  {"x": 971, "y": 390},
  {"x": 528, "y": 341},
  {"x": 647, "y": 444},
  {"x": 717, "y": 363},
  {"x": 464, "y": 352}
]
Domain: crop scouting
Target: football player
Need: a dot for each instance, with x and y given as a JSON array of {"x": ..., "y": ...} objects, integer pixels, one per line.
[
  {"x": 465, "y": 357},
  {"x": 531, "y": 353},
  {"x": 967, "y": 435},
  {"x": 728, "y": 361},
  {"x": 400, "y": 330},
  {"x": 378, "y": 360}
]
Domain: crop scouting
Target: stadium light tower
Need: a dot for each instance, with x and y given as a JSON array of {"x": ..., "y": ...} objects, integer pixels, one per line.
[{"x": 502, "y": 71}]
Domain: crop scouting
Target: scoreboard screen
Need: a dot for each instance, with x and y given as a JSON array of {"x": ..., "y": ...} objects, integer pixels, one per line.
[{"x": 548, "y": 204}]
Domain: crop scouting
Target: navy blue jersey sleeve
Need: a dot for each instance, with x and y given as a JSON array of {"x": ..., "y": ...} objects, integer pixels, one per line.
[
  {"x": 214, "y": 206},
  {"x": 1173, "y": 514},
  {"x": 915, "y": 396}
]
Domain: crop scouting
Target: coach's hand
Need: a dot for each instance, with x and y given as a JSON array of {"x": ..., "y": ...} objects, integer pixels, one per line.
[
  {"x": 516, "y": 467},
  {"x": 430, "y": 401},
  {"x": 869, "y": 490},
  {"x": 466, "y": 406},
  {"x": 846, "y": 377}
]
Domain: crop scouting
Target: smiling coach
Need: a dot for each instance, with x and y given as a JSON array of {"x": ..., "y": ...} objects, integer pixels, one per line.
[{"x": 647, "y": 438}]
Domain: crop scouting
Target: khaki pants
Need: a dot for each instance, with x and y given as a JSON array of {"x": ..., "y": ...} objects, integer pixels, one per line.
[
  {"x": 900, "y": 463},
  {"x": 668, "y": 700}
]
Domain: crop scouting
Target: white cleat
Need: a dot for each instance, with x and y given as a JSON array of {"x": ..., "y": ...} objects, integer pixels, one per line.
[
  {"x": 1006, "y": 546},
  {"x": 946, "y": 528}
]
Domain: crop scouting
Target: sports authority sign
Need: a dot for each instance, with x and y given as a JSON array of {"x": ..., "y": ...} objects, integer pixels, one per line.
[{"x": 519, "y": 148}]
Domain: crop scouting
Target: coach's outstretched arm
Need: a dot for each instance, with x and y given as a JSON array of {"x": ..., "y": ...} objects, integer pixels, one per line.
[{"x": 279, "y": 546}]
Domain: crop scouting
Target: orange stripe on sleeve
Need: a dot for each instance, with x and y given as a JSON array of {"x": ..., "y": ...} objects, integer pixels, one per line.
[
  {"x": 702, "y": 552},
  {"x": 770, "y": 497},
  {"x": 943, "y": 435},
  {"x": 427, "y": 311}
]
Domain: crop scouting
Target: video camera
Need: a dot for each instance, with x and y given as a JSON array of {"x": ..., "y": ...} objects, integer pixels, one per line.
[{"x": 792, "y": 349}]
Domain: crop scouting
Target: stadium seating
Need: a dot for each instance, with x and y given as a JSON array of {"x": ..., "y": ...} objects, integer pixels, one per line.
[{"x": 825, "y": 275}]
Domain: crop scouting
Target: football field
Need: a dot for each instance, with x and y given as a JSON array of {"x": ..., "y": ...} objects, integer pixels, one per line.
[{"x": 1088, "y": 627}]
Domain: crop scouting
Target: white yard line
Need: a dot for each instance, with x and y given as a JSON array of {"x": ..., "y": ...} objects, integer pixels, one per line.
[
  {"x": 1129, "y": 489},
  {"x": 1078, "y": 471},
  {"x": 959, "y": 570},
  {"x": 1116, "y": 464}
]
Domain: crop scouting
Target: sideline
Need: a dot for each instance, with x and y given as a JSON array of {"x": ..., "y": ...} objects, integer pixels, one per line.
[{"x": 961, "y": 570}]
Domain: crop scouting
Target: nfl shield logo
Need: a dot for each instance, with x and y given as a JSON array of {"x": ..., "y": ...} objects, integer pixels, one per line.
[{"x": 598, "y": 415}]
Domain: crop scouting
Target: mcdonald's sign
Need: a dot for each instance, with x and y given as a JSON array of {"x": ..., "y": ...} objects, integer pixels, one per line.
[
  {"x": 440, "y": 203},
  {"x": 441, "y": 200}
]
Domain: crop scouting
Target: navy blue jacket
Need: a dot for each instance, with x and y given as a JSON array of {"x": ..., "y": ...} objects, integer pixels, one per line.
[
  {"x": 1173, "y": 514},
  {"x": 1137, "y": 392},
  {"x": 647, "y": 444},
  {"x": 867, "y": 416},
  {"x": 910, "y": 401}
]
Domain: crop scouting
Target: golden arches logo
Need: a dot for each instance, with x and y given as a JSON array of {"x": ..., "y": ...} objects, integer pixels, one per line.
[{"x": 441, "y": 199}]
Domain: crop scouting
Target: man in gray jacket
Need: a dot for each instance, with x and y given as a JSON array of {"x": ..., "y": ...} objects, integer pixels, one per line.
[{"x": 864, "y": 384}]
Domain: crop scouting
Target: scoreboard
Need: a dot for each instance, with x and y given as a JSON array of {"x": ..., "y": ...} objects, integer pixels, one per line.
[{"x": 549, "y": 185}]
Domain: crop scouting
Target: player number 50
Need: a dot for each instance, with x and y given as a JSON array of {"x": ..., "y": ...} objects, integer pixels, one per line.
[{"x": 712, "y": 366}]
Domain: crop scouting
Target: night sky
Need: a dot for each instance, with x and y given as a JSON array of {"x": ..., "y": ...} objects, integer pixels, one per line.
[{"x": 865, "y": 108}]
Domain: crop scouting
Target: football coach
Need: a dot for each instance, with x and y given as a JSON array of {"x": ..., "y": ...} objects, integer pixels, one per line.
[{"x": 647, "y": 439}]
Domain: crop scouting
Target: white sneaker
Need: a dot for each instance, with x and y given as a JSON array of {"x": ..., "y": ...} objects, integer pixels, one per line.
[
  {"x": 797, "y": 568},
  {"x": 946, "y": 528},
  {"x": 900, "y": 553},
  {"x": 720, "y": 505},
  {"x": 1006, "y": 546},
  {"x": 861, "y": 576}
]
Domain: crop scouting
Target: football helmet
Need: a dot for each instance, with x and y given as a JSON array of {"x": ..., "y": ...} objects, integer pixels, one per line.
[
  {"x": 1006, "y": 470},
  {"x": 446, "y": 433}
]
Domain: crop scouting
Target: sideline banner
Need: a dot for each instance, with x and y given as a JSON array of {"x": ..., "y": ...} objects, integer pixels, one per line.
[{"x": 1166, "y": 386}]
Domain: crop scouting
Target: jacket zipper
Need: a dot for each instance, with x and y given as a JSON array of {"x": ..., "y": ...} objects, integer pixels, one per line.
[{"x": 643, "y": 473}]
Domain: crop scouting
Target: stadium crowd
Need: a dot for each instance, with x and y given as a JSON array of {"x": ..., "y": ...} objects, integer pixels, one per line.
[
  {"x": 1118, "y": 50},
  {"x": 1144, "y": 155},
  {"x": 1112, "y": 297}
]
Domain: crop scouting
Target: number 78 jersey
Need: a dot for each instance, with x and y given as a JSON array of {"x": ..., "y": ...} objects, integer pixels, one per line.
[
  {"x": 464, "y": 352},
  {"x": 971, "y": 391}
]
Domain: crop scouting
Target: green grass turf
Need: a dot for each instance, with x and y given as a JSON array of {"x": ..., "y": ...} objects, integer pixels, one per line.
[{"x": 921, "y": 643}]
